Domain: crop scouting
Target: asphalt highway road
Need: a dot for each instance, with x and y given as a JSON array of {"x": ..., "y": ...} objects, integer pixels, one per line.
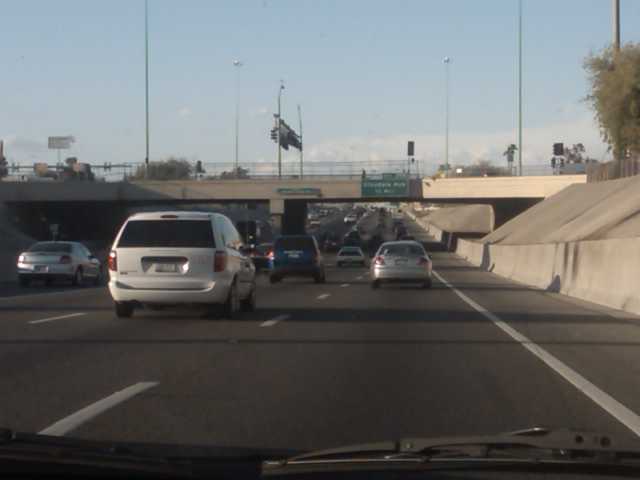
[{"x": 318, "y": 366}]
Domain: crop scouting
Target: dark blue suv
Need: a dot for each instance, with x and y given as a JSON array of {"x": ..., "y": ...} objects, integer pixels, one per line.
[{"x": 297, "y": 256}]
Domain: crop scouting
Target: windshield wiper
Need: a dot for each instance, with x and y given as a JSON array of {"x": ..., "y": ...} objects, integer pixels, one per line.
[
  {"x": 531, "y": 446},
  {"x": 42, "y": 454}
]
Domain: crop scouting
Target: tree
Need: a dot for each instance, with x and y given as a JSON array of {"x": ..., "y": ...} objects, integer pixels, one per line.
[
  {"x": 170, "y": 169},
  {"x": 575, "y": 154},
  {"x": 614, "y": 78},
  {"x": 509, "y": 153},
  {"x": 484, "y": 168},
  {"x": 235, "y": 173}
]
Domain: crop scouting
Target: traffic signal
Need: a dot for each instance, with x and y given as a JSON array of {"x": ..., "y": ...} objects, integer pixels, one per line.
[
  {"x": 284, "y": 135},
  {"x": 274, "y": 134},
  {"x": 199, "y": 168},
  {"x": 294, "y": 140},
  {"x": 558, "y": 149},
  {"x": 4, "y": 165},
  {"x": 410, "y": 148},
  {"x": 553, "y": 162}
]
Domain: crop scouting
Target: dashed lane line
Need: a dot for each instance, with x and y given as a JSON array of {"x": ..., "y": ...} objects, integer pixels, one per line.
[
  {"x": 53, "y": 319},
  {"x": 75, "y": 420},
  {"x": 275, "y": 320}
]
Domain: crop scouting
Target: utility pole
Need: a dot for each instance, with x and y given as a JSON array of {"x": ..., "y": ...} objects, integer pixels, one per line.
[
  {"x": 447, "y": 61},
  {"x": 301, "y": 144},
  {"x": 520, "y": 87},
  {"x": 616, "y": 25},
  {"x": 279, "y": 124},
  {"x": 237, "y": 64},
  {"x": 146, "y": 84}
]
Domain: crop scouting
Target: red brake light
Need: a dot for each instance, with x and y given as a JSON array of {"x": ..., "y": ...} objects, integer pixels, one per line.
[
  {"x": 65, "y": 259},
  {"x": 270, "y": 254},
  {"x": 113, "y": 261},
  {"x": 219, "y": 261},
  {"x": 379, "y": 260}
]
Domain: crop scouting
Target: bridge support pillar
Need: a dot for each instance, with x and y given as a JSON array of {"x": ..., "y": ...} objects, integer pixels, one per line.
[{"x": 289, "y": 215}]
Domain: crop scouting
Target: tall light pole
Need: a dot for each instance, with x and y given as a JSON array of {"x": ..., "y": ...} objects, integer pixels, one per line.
[
  {"x": 237, "y": 64},
  {"x": 616, "y": 24},
  {"x": 146, "y": 84},
  {"x": 520, "y": 87},
  {"x": 279, "y": 124},
  {"x": 447, "y": 61},
  {"x": 301, "y": 144}
]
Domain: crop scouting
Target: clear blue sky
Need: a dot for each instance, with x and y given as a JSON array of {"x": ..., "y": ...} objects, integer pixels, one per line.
[{"x": 368, "y": 74}]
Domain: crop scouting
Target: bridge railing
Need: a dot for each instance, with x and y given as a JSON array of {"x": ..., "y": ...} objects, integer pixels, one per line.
[{"x": 326, "y": 170}]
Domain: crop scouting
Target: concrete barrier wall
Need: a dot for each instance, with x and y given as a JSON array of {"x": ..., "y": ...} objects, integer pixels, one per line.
[
  {"x": 498, "y": 187},
  {"x": 601, "y": 271}
]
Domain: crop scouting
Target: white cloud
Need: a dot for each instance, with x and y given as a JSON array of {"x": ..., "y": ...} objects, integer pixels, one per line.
[
  {"x": 258, "y": 112},
  {"x": 466, "y": 147},
  {"x": 184, "y": 112},
  {"x": 24, "y": 145}
]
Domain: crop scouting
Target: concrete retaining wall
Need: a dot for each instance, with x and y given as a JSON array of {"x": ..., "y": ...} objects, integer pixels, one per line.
[{"x": 601, "y": 271}]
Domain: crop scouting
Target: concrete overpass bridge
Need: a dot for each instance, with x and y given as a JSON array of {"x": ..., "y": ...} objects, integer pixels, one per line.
[{"x": 102, "y": 206}]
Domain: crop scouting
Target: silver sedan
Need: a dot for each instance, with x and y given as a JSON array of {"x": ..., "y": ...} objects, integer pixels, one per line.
[
  {"x": 402, "y": 262},
  {"x": 51, "y": 261}
]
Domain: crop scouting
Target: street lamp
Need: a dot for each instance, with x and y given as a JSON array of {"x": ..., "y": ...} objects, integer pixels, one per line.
[
  {"x": 146, "y": 85},
  {"x": 237, "y": 64},
  {"x": 279, "y": 123},
  {"x": 447, "y": 61},
  {"x": 520, "y": 87}
]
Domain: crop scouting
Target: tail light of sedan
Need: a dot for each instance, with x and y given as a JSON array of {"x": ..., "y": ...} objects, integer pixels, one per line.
[
  {"x": 423, "y": 262},
  {"x": 113, "y": 261},
  {"x": 379, "y": 260},
  {"x": 21, "y": 258},
  {"x": 65, "y": 259}
]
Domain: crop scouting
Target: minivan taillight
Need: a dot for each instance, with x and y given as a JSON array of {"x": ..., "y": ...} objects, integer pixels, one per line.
[
  {"x": 65, "y": 259},
  {"x": 220, "y": 261},
  {"x": 113, "y": 261}
]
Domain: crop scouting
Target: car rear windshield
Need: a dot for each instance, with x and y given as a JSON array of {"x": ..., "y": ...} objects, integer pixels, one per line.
[
  {"x": 168, "y": 233},
  {"x": 402, "y": 250},
  {"x": 51, "y": 247},
  {"x": 295, "y": 243},
  {"x": 350, "y": 252}
]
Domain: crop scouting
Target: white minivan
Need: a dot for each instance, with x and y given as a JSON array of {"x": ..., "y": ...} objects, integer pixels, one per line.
[{"x": 162, "y": 259}]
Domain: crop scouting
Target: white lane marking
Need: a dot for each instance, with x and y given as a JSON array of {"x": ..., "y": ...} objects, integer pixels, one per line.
[
  {"x": 360, "y": 277},
  {"x": 344, "y": 285},
  {"x": 73, "y": 421},
  {"x": 624, "y": 415},
  {"x": 48, "y": 294},
  {"x": 274, "y": 320},
  {"x": 323, "y": 296},
  {"x": 53, "y": 319}
]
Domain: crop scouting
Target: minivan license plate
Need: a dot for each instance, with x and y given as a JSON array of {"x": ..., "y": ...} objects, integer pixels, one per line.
[{"x": 166, "y": 267}]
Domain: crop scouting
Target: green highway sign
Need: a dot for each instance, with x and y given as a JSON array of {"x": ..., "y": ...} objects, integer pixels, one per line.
[
  {"x": 386, "y": 187},
  {"x": 305, "y": 191}
]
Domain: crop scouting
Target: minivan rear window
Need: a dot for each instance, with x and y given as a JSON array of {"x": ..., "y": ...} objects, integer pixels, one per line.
[
  {"x": 295, "y": 243},
  {"x": 168, "y": 233}
]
